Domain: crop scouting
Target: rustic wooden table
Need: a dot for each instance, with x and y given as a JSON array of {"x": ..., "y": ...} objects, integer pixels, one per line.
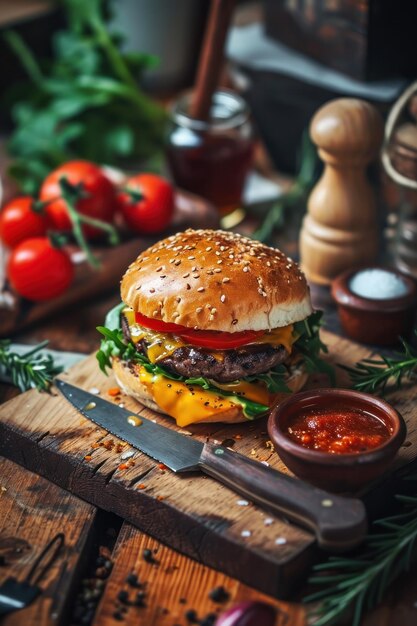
[{"x": 87, "y": 583}]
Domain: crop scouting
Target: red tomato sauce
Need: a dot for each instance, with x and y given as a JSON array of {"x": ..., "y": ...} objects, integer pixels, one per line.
[{"x": 338, "y": 431}]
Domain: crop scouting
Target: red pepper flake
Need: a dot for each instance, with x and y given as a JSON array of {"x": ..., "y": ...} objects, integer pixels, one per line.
[
  {"x": 141, "y": 486},
  {"x": 95, "y": 446},
  {"x": 123, "y": 466},
  {"x": 114, "y": 391},
  {"x": 88, "y": 458},
  {"x": 160, "y": 498},
  {"x": 162, "y": 466}
]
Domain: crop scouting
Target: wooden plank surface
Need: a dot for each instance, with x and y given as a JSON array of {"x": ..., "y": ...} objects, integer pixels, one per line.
[
  {"x": 195, "y": 515},
  {"x": 172, "y": 586},
  {"x": 33, "y": 511}
]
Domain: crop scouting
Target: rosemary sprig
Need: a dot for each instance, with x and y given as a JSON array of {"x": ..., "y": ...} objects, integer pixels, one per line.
[
  {"x": 295, "y": 197},
  {"x": 371, "y": 375},
  {"x": 32, "y": 370},
  {"x": 358, "y": 584}
]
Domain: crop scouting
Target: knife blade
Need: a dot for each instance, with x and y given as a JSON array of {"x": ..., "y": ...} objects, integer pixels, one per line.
[{"x": 338, "y": 522}]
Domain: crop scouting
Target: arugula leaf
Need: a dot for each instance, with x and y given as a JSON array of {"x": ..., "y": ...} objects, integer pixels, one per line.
[
  {"x": 274, "y": 379},
  {"x": 310, "y": 345}
]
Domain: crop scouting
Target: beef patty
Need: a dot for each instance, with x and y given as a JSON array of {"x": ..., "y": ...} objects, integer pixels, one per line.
[{"x": 191, "y": 361}]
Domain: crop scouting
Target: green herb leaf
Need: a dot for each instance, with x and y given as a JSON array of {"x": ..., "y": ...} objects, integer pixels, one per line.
[
  {"x": 32, "y": 370},
  {"x": 356, "y": 583},
  {"x": 376, "y": 375},
  {"x": 85, "y": 103},
  {"x": 310, "y": 345}
]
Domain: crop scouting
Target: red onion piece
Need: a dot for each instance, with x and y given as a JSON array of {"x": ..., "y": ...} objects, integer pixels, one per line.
[{"x": 248, "y": 614}]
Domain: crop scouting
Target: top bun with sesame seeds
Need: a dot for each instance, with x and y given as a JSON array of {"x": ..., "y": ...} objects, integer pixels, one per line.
[{"x": 216, "y": 280}]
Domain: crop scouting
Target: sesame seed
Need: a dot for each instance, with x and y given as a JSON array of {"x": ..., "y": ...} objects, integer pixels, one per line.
[
  {"x": 196, "y": 275},
  {"x": 210, "y": 272},
  {"x": 218, "y": 253},
  {"x": 226, "y": 280},
  {"x": 213, "y": 311},
  {"x": 201, "y": 289},
  {"x": 268, "y": 264},
  {"x": 152, "y": 290},
  {"x": 194, "y": 268},
  {"x": 186, "y": 275},
  {"x": 217, "y": 270},
  {"x": 199, "y": 309},
  {"x": 209, "y": 248},
  {"x": 155, "y": 312},
  {"x": 176, "y": 314},
  {"x": 219, "y": 262},
  {"x": 191, "y": 258},
  {"x": 178, "y": 299},
  {"x": 234, "y": 322},
  {"x": 246, "y": 268},
  {"x": 163, "y": 276},
  {"x": 211, "y": 318},
  {"x": 188, "y": 286},
  {"x": 177, "y": 262},
  {"x": 172, "y": 260},
  {"x": 222, "y": 298}
]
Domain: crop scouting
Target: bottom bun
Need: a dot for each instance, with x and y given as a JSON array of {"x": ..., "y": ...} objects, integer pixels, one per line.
[{"x": 128, "y": 380}]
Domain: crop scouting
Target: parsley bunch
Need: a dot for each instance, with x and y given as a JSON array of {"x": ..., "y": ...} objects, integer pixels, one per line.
[{"x": 84, "y": 103}]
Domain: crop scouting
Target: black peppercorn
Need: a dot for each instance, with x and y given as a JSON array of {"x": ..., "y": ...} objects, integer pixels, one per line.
[
  {"x": 191, "y": 616},
  {"x": 123, "y": 597},
  {"x": 219, "y": 594}
]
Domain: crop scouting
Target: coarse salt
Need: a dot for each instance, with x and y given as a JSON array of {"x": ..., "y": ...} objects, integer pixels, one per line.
[
  {"x": 246, "y": 533},
  {"x": 242, "y": 502},
  {"x": 280, "y": 541},
  {"x": 377, "y": 284}
]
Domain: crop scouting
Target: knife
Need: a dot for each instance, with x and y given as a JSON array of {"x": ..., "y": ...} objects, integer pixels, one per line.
[{"x": 338, "y": 522}]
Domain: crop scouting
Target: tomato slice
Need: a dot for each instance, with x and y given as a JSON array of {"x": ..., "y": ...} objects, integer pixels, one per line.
[
  {"x": 159, "y": 325},
  {"x": 215, "y": 339},
  {"x": 218, "y": 340}
]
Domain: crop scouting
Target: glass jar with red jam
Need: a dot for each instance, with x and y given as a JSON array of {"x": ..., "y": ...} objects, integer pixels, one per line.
[{"x": 212, "y": 158}]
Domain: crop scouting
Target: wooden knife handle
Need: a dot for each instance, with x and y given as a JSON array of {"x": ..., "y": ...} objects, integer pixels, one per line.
[{"x": 338, "y": 522}]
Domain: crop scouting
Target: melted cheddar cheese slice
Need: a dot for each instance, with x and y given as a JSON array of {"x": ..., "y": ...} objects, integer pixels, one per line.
[
  {"x": 190, "y": 404},
  {"x": 161, "y": 345}
]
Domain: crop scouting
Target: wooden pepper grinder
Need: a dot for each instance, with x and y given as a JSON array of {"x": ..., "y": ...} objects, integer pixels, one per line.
[{"x": 340, "y": 228}]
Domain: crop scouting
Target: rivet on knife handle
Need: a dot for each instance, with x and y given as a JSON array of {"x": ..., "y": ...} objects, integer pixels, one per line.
[{"x": 338, "y": 522}]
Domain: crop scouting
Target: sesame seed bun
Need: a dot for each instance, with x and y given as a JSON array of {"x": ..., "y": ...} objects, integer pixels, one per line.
[
  {"x": 216, "y": 280},
  {"x": 127, "y": 378}
]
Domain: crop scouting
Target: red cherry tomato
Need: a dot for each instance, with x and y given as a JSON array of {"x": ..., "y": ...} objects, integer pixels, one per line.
[
  {"x": 99, "y": 203},
  {"x": 216, "y": 340},
  {"x": 38, "y": 271},
  {"x": 148, "y": 204},
  {"x": 18, "y": 221}
]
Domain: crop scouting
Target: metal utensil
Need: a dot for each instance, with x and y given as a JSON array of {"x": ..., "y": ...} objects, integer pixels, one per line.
[
  {"x": 15, "y": 594},
  {"x": 338, "y": 522}
]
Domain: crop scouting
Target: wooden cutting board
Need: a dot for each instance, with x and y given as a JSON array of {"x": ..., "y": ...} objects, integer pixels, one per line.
[
  {"x": 16, "y": 313},
  {"x": 194, "y": 514}
]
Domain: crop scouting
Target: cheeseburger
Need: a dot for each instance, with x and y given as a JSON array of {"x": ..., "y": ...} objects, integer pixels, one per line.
[{"x": 214, "y": 327}]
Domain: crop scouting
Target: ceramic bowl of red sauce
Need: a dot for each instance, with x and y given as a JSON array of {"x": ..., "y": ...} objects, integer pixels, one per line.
[{"x": 337, "y": 439}]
